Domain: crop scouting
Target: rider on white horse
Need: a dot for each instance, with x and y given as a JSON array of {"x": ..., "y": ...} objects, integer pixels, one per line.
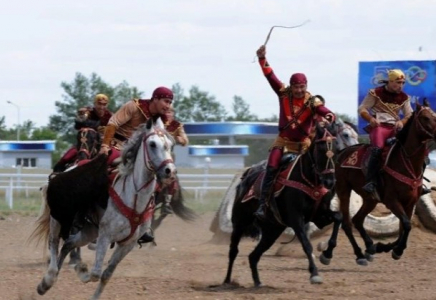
[{"x": 126, "y": 120}]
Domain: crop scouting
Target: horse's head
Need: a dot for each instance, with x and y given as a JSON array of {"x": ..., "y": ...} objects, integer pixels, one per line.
[
  {"x": 323, "y": 150},
  {"x": 346, "y": 135},
  {"x": 425, "y": 121},
  {"x": 158, "y": 145},
  {"x": 88, "y": 143}
]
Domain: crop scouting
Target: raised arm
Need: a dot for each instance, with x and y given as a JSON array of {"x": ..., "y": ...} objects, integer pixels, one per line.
[{"x": 275, "y": 83}]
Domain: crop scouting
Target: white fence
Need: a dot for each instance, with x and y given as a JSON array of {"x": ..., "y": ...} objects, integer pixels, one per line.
[{"x": 198, "y": 183}]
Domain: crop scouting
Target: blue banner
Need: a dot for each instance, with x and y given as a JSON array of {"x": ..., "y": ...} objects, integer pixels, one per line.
[{"x": 420, "y": 81}]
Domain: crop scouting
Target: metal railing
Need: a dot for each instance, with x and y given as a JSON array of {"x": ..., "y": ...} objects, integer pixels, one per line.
[{"x": 200, "y": 184}]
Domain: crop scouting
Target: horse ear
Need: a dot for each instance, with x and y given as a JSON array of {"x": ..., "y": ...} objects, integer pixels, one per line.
[
  {"x": 149, "y": 124},
  {"x": 419, "y": 106},
  {"x": 160, "y": 124},
  {"x": 426, "y": 103}
]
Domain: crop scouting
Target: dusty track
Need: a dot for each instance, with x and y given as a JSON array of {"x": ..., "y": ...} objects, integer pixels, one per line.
[{"x": 185, "y": 266}]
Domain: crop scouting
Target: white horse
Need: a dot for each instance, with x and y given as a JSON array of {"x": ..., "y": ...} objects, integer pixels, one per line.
[
  {"x": 346, "y": 134},
  {"x": 129, "y": 210}
]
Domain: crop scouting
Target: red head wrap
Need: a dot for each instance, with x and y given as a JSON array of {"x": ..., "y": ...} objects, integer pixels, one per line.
[
  {"x": 298, "y": 78},
  {"x": 162, "y": 92}
]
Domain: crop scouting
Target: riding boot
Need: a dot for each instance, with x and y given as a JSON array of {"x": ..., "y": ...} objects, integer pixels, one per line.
[
  {"x": 166, "y": 206},
  {"x": 266, "y": 191},
  {"x": 147, "y": 237},
  {"x": 373, "y": 169}
]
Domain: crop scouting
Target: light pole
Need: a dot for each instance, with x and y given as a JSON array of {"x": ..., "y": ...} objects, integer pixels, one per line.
[{"x": 18, "y": 126}]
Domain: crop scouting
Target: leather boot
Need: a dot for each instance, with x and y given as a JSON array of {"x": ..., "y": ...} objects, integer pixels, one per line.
[
  {"x": 266, "y": 191},
  {"x": 373, "y": 169},
  {"x": 166, "y": 205},
  {"x": 147, "y": 237}
]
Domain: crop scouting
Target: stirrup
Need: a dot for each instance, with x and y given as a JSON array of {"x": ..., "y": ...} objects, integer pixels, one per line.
[
  {"x": 146, "y": 238},
  {"x": 369, "y": 187}
]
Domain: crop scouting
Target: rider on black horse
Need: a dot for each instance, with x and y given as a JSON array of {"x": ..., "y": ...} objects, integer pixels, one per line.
[
  {"x": 381, "y": 108},
  {"x": 298, "y": 114},
  {"x": 95, "y": 117}
]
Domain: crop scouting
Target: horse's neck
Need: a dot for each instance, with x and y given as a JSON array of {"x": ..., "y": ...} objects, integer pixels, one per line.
[
  {"x": 414, "y": 150},
  {"x": 305, "y": 167},
  {"x": 138, "y": 186}
]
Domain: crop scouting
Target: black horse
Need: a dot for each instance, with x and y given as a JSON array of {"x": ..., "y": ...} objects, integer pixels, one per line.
[
  {"x": 88, "y": 143},
  {"x": 306, "y": 196}
]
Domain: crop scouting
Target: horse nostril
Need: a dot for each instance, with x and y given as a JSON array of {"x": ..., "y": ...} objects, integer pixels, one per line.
[{"x": 167, "y": 171}]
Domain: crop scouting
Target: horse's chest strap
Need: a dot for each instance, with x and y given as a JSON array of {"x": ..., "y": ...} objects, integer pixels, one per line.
[
  {"x": 414, "y": 183},
  {"x": 135, "y": 219}
]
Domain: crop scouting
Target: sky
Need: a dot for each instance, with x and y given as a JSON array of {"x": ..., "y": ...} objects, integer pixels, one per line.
[{"x": 207, "y": 43}]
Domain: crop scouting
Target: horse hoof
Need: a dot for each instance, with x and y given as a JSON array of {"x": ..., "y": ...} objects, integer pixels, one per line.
[
  {"x": 395, "y": 256},
  {"x": 258, "y": 284},
  {"x": 362, "y": 261},
  {"x": 369, "y": 256},
  {"x": 316, "y": 279},
  {"x": 94, "y": 277},
  {"x": 322, "y": 246},
  {"x": 324, "y": 260}
]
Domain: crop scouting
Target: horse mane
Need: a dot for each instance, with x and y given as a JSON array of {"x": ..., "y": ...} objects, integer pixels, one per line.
[
  {"x": 403, "y": 133},
  {"x": 351, "y": 125},
  {"x": 130, "y": 150}
]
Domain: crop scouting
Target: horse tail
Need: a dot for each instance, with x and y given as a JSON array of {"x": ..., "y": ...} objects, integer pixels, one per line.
[
  {"x": 42, "y": 229},
  {"x": 179, "y": 208}
]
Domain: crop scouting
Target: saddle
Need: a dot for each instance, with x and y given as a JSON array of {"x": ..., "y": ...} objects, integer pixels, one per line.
[
  {"x": 359, "y": 157},
  {"x": 288, "y": 161}
]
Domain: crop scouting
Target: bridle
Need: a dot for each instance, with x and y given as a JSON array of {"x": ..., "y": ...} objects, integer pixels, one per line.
[
  {"x": 328, "y": 139},
  {"x": 84, "y": 147}
]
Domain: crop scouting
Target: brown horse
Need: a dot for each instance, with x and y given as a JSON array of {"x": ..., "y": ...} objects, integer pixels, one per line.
[{"x": 399, "y": 182}]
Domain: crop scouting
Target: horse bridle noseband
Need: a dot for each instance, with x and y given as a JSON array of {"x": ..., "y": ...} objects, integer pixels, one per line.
[
  {"x": 83, "y": 145},
  {"x": 148, "y": 163},
  {"x": 329, "y": 139}
]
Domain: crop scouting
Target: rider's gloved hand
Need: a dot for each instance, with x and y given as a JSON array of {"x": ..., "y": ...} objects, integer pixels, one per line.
[
  {"x": 104, "y": 149},
  {"x": 261, "y": 52}
]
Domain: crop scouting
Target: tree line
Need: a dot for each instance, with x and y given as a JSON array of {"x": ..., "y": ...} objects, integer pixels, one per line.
[{"x": 195, "y": 105}]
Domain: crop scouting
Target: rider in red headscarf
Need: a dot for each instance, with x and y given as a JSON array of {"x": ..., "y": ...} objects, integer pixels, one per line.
[
  {"x": 127, "y": 119},
  {"x": 298, "y": 113}
]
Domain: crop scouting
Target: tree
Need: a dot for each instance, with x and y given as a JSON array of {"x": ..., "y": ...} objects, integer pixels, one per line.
[
  {"x": 81, "y": 92},
  {"x": 199, "y": 106},
  {"x": 241, "y": 111}
]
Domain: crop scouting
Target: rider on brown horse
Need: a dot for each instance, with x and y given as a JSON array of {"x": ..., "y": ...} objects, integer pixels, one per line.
[
  {"x": 381, "y": 108},
  {"x": 298, "y": 111},
  {"x": 95, "y": 117},
  {"x": 127, "y": 119}
]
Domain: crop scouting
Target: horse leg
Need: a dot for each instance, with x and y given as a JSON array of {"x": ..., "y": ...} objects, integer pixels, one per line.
[
  {"x": 404, "y": 215},
  {"x": 52, "y": 272},
  {"x": 270, "y": 233},
  {"x": 117, "y": 256},
  {"x": 75, "y": 257},
  {"x": 368, "y": 204},
  {"x": 308, "y": 249},
  {"x": 237, "y": 233},
  {"x": 344, "y": 199},
  {"x": 327, "y": 254}
]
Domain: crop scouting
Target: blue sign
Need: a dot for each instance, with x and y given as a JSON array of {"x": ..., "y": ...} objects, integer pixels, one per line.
[{"x": 420, "y": 81}]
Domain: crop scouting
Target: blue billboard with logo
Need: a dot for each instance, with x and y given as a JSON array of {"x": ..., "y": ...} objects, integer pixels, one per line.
[{"x": 420, "y": 80}]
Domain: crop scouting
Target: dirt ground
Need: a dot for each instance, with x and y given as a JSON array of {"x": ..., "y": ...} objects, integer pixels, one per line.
[{"x": 184, "y": 265}]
